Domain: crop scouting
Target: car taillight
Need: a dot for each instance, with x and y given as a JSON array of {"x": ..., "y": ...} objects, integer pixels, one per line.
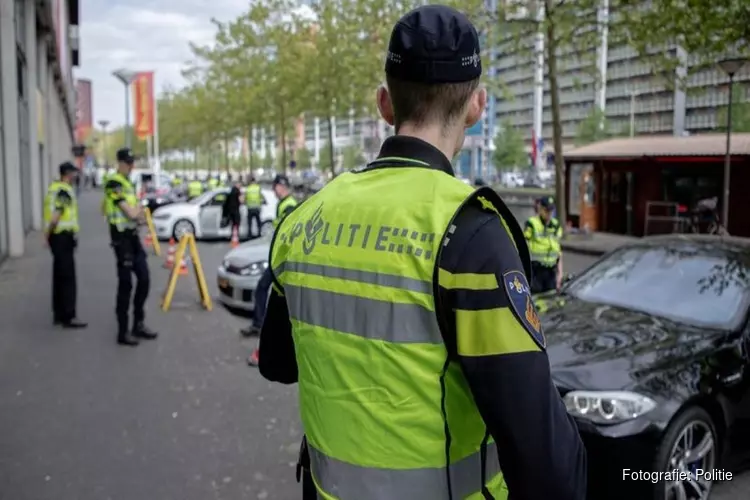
[{"x": 682, "y": 209}]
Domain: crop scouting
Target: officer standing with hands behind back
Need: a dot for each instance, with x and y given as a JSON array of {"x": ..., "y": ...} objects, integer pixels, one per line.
[
  {"x": 61, "y": 231},
  {"x": 543, "y": 232},
  {"x": 400, "y": 303},
  {"x": 124, "y": 214}
]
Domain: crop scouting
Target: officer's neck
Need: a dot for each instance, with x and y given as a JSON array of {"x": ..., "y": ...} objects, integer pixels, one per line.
[{"x": 432, "y": 134}]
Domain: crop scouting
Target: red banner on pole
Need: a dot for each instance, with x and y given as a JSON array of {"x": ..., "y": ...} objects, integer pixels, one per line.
[
  {"x": 84, "y": 114},
  {"x": 143, "y": 101}
]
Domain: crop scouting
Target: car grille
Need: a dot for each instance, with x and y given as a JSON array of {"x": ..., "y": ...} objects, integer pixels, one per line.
[
  {"x": 234, "y": 269},
  {"x": 247, "y": 295}
]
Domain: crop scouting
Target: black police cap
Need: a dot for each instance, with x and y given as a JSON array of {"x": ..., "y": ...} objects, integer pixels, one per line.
[
  {"x": 66, "y": 168},
  {"x": 434, "y": 44},
  {"x": 281, "y": 180},
  {"x": 125, "y": 155}
]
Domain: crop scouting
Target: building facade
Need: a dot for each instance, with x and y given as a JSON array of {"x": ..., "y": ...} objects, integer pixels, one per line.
[{"x": 38, "y": 49}]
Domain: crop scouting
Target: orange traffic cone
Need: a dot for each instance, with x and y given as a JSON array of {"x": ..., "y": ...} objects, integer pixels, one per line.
[
  {"x": 147, "y": 241},
  {"x": 183, "y": 267},
  {"x": 169, "y": 262},
  {"x": 235, "y": 238}
]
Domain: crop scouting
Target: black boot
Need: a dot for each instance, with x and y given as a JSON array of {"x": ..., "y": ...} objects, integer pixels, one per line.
[
  {"x": 141, "y": 331},
  {"x": 74, "y": 323},
  {"x": 126, "y": 339}
]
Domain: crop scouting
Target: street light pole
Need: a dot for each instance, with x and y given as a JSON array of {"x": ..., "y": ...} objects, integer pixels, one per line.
[
  {"x": 730, "y": 67},
  {"x": 126, "y": 77},
  {"x": 632, "y": 113},
  {"x": 103, "y": 124}
]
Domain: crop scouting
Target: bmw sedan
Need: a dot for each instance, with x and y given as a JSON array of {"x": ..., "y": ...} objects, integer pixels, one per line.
[
  {"x": 239, "y": 273},
  {"x": 649, "y": 350},
  {"x": 202, "y": 217}
]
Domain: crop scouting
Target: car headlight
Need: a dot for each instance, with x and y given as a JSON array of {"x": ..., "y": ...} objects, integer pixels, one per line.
[
  {"x": 144, "y": 202},
  {"x": 250, "y": 270},
  {"x": 161, "y": 216},
  {"x": 607, "y": 407}
]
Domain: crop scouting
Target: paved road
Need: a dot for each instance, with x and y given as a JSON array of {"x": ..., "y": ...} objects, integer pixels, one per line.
[{"x": 181, "y": 418}]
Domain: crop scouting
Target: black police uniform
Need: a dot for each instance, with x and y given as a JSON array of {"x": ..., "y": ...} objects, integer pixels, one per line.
[
  {"x": 131, "y": 260},
  {"x": 62, "y": 245},
  {"x": 539, "y": 450}
]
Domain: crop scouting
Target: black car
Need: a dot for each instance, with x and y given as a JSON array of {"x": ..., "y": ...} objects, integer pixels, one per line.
[{"x": 649, "y": 350}]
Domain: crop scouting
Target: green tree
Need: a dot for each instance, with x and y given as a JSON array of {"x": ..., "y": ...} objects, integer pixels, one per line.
[
  {"x": 352, "y": 157},
  {"x": 566, "y": 27},
  {"x": 740, "y": 112},
  {"x": 509, "y": 149},
  {"x": 593, "y": 128},
  {"x": 325, "y": 158},
  {"x": 303, "y": 157},
  {"x": 708, "y": 31}
]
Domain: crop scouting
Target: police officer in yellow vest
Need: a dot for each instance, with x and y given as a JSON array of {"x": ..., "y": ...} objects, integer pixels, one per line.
[
  {"x": 61, "y": 231},
  {"x": 253, "y": 200},
  {"x": 124, "y": 214},
  {"x": 543, "y": 233},
  {"x": 287, "y": 203},
  {"x": 401, "y": 306},
  {"x": 213, "y": 183},
  {"x": 194, "y": 189}
]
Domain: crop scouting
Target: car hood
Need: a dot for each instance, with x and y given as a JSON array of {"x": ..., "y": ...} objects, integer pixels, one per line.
[
  {"x": 248, "y": 253},
  {"x": 601, "y": 347},
  {"x": 177, "y": 209}
]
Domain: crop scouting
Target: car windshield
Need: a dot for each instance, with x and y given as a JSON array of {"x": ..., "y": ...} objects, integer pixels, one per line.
[
  {"x": 692, "y": 285},
  {"x": 202, "y": 198}
]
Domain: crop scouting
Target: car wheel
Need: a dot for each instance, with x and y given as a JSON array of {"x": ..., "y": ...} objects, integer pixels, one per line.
[
  {"x": 689, "y": 444},
  {"x": 266, "y": 228},
  {"x": 182, "y": 227}
]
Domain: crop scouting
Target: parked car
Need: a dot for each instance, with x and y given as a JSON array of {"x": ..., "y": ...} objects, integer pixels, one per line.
[
  {"x": 202, "y": 216},
  {"x": 649, "y": 350},
  {"x": 239, "y": 273}
]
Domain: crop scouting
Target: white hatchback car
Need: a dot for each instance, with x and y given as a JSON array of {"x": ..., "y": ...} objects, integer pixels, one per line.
[
  {"x": 239, "y": 273},
  {"x": 202, "y": 217}
]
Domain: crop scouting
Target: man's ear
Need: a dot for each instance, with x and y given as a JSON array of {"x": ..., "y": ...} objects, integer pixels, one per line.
[
  {"x": 385, "y": 107},
  {"x": 477, "y": 103}
]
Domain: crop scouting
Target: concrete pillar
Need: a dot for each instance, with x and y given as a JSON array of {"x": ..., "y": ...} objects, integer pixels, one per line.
[
  {"x": 42, "y": 85},
  {"x": 8, "y": 94},
  {"x": 35, "y": 162}
]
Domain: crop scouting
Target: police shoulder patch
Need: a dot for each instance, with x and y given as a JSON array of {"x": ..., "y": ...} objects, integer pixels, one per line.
[{"x": 522, "y": 305}]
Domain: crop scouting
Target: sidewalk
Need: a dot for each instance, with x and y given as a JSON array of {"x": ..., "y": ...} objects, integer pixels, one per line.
[{"x": 595, "y": 244}]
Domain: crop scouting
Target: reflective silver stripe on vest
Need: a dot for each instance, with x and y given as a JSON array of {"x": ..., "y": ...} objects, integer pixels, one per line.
[
  {"x": 382, "y": 279},
  {"x": 346, "y": 481},
  {"x": 368, "y": 318}
]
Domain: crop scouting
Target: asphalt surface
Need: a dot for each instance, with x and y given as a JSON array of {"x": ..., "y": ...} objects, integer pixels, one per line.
[{"x": 179, "y": 418}]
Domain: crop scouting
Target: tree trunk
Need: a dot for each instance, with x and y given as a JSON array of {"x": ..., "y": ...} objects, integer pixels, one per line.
[
  {"x": 226, "y": 153},
  {"x": 283, "y": 140},
  {"x": 249, "y": 150},
  {"x": 331, "y": 148},
  {"x": 554, "y": 93}
]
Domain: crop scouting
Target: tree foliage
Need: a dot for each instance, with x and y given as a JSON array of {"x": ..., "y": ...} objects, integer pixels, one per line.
[
  {"x": 593, "y": 128},
  {"x": 509, "y": 149},
  {"x": 740, "y": 112}
]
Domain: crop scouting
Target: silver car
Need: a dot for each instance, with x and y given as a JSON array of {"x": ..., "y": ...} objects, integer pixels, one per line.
[{"x": 239, "y": 273}]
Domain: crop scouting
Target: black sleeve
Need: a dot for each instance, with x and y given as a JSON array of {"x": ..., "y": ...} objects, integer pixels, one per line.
[
  {"x": 277, "y": 361},
  {"x": 501, "y": 349},
  {"x": 113, "y": 190},
  {"x": 62, "y": 200}
]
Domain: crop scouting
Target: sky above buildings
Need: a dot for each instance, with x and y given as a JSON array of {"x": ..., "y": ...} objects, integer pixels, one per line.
[{"x": 142, "y": 35}]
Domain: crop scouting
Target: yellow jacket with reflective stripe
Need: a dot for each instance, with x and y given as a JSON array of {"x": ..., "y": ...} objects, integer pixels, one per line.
[
  {"x": 68, "y": 220},
  {"x": 115, "y": 216},
  {"x": 253, "y": 197},
  {"x": 194, "y": 188},
  {"x": 378, "y": 393},
  {"x": 283, "y": 207},
  {"x": 544, "y": 240}
]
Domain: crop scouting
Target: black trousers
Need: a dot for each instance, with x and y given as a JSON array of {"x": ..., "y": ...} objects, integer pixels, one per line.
[
  {"x": 253, "y": 214},
  {"x": 131, "y": 260},
  {"x": 544, "y": 278},
  {"x": 64, "y": 288}
]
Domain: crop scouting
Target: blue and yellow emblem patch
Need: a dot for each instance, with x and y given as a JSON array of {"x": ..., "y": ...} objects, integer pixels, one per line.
[{"x": 522, "y": 305}]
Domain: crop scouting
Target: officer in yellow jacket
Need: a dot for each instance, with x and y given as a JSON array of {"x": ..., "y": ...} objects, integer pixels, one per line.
[
  {"x": 253, "y": 201},
  {"x": 543, "y": 233},
  {"x": 194, "y": 189},
  {"x": 61, "y": 231},
  {"x": 124, "y": 214},
  {"x": 401, "y": 305}
]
